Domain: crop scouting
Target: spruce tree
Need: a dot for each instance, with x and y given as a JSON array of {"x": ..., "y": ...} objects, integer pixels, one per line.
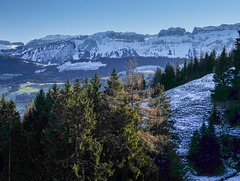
[
  {"x": 204, "y": 149},
  {"x": 234, "y": 93},
  {"x": 178, "y": 74},
  {"x": 190, "y": 70},
  {"x": 113, "y": 85},
  {"x": 96, "y": 95},
  {"x": 211, "y": 61},
  {"x": 169, "y": 77},
  {"x": 124, "y": 148},
  {"x": 196, "y": 68},
  {"x": 10, "y": 141},
  {"x": 157, "y": 77},
  {"x": 183, "y": 75}
]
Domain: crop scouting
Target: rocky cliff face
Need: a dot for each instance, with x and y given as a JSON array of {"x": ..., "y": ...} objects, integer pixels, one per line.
[{"x": 172, "y": 43}]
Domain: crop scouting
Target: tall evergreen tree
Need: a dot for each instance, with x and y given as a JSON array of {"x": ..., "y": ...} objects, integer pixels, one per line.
[
  {"x": 204, "y": 149},
  {"x": 96, "y": 94},
  {"x": 124, "y": 148},
  {"x": 183, "y": 75},
  {"x": 113, "y": 85},
  {"x": 178, "y": 74},
  {"x": 236, "y": 64},
  {"x": 211, "y": 61},
  {"x": 10, "y": 141},
  {"x": 169, "y": 77},
  {"x": 157, "y": 77},
  {"x": 221, "y": 77},
  {"x": 234, "y": 93},
  {"x": 190, "y": 70},
  {"x": 196, "y": 68}
]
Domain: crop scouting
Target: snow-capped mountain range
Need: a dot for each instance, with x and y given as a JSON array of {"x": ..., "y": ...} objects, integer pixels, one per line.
[{"x": 172, "y": 43}]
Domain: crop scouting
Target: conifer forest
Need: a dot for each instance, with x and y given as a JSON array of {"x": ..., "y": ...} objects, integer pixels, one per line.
[{"x": 78, "y": 132}]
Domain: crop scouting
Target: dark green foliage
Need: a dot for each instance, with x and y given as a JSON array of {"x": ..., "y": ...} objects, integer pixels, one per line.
[
  {"x": 231, "y": 148},
  {"x": 157, "y": 90},
  {"x": 192, "y": 70},
  {"x": 125, "y": 149},
  {"x": 204, "y": 149},
  {"x": 119, "y": 133},
  {"x": 227, "y": 78},
  {"x": 11, "y": 137},
  {"x": 236, "y": 64},
  {"x": 79, "y": 133},
  {"x": 178, "y": 74},
  {"x": 196, "y": 68},
  {"x": 183, "y": 76},
  {"x": 168, "y": 77},
  {"x": 96, "y": 95},
  {"x": 222, "y": 88},
  {"x": 170, "y": 166},
  {"x": 113, "y": 85},
  {"x": 144, "y": 86},
  {"x": 157, "y": 77}
]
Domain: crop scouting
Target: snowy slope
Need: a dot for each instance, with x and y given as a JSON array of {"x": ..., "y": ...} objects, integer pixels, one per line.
[
  {"x": 191, "y": 104},
  {"x": 174, "y": 42}
]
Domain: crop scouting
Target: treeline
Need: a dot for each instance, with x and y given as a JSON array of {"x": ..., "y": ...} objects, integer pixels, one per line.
[
  {"x": 194, "y": 69},
  {"x": 80, "y": 133}
]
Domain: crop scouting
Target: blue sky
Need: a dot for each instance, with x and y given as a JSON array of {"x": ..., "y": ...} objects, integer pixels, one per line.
[{"x": 23, "y": 20}]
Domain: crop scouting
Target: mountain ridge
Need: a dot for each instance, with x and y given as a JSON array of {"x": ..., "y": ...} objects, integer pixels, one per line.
[{"x": 172, "y": 43}]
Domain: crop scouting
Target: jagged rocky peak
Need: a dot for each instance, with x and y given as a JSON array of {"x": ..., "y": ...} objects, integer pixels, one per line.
[
  {"x": 173, "y": 42},
  {"x": 7, "y": 45},
  {"x": 172, "y": 32},
  {"x": 222, "y": 27},
  {"x": 125, "y": 36},
  {"x": 3, "y": 42},
  {"x": 52, "y": 39},
  {"x": 87, "y": 45},
  {"x": 18, "y": 44}
]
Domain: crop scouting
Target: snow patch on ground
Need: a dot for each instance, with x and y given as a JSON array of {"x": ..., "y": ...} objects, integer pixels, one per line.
[
  {"x": 191, "y": 103},
  {"x": 147, "y": 68},
  {"x": 80, "y": 66},
  {"x": 236, "y": 178},
  {"x": 40, "y": 71}
]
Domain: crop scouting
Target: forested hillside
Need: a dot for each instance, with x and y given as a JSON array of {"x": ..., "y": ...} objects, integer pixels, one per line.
[
  {"x": 79, "y": 133},
  {"x": 125, "y": 132}
]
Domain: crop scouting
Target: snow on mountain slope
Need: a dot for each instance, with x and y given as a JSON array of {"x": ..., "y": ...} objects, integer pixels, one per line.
[
  {"x": 80, "y": 66},
  {"x": 174, "y": 42},
  {"x": 191, "y": 105}
]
